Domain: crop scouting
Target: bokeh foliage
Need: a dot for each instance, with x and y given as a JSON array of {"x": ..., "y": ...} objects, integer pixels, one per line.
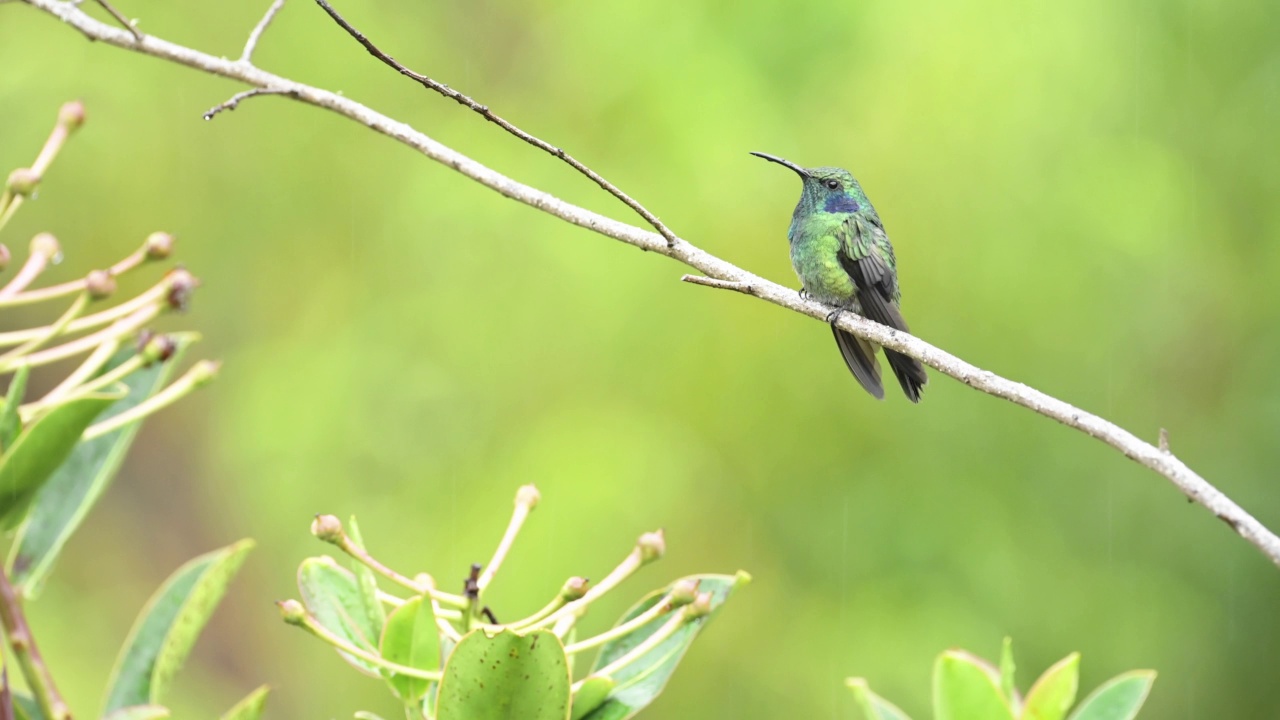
[{"x": 1082, "y": 196}]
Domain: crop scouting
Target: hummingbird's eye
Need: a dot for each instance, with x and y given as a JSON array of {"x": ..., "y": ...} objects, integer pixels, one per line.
[{"x": 832, "y": 184}]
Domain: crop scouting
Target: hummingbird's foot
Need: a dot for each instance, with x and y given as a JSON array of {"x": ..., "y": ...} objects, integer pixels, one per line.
[
  {"x": 804, "y": 294},
  {"x": 833, "y": 316}
]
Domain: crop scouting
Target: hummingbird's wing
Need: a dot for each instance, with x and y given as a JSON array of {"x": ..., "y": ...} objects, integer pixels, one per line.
[{"x": 868, "y": 258}]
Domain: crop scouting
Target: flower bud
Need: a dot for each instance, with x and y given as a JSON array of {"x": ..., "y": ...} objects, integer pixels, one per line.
[
  {"x": 701, "y": 607},
  {"x": 155, "y": 348},
  {"x": 23, "y": 182},
  {"x": 99, "y": 284},
  {"x": 424, "y": 582},
  {"x": 528, "y": 496},
  {"x": 328, "y": 528},
  {"x": 204, "y": 372},
  {"x": 684, "y": 591},
  {"x": 292, "y": 612},
  {"x": 574, "y": 588},
  {"x": 652, "y": 545},
  {"x": 159, "y": 246},
  {"x": 181, "y": 285},
  {"x": 71, "y": 115},
  {"x": 47, "y": 245}
]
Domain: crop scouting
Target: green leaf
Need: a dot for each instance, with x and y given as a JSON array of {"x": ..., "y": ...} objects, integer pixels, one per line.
[
  {"x": 873, "y": 706},
  {"x": 411, "y": 638},
  {"x": 250, "y": 708},
  {"x": 1055, "y": 692},
  {"x": 643, "y": 680},
  {"x": 25, "y": 707},
  {"x": 139, "y": 712},
  {"x": 1119, "y": 698},
  {"x": 10, "y": 420},
  {"x": 591, "y": 695},
  {"x": 505, "y": 676},
  {"x": 1008, "y": 683},
  {"x": 332, "y": 595},
  {"x": 368, "y": 583},
  {"x": 41, "y": 448},
  {"x": 62, "y": 504},
  {"x": 168, "y": 626},
  {"x": 967, "y": 688}
]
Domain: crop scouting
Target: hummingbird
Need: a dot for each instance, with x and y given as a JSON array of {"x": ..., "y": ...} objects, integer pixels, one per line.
[{"x": 843, "y": 257}]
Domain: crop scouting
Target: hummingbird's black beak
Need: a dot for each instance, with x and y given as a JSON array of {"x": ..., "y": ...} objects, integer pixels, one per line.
[{"x": 774, "y": 158}]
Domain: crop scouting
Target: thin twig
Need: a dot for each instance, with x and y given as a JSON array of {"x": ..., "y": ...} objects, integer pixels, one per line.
[
  {"x": 1167, "y": 465},
  {"x": 251, "y": 44},
  {"x": 234, "y": 101},
  {"x": 23, "y": 645},
  {"x": 715, "y": 283},
  {"x": 488, "y": 114},
  {"x": 124, "y": 21}
]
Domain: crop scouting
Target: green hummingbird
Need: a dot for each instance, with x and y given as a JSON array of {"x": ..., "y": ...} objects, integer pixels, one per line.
[{"x": 843, "y": 257}]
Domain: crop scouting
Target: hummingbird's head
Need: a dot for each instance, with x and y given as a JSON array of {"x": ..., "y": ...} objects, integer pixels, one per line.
[{"x": 826, "y": 189}]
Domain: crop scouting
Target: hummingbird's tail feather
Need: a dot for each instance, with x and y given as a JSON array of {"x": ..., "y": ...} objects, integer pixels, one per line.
[
  {"x": 860, "y": 356},
  {"x": 910, "y": 373}
]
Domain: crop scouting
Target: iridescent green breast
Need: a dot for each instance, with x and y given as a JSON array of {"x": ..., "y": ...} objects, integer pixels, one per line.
[{"x": 815, "y": 255}]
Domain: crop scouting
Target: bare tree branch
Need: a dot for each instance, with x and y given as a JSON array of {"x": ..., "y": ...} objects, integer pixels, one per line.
[
  {"x": 251, "y": 44},
  {"x": 124, "y": 21},
  {"x": 233, "y": 102},
  {"x": 23, "y": 646},
  {"x": 718, "y": 272},
  {"x": 488, "y": 114}
]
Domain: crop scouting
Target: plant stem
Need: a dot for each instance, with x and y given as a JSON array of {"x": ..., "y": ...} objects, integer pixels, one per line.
[
  {"x": 310, "y": 624},
  {"x": 660, "y": 636},
  {"x": 199, "y": 374},
  {"x": 660, "y": 608},
  {"x": 625, "y": 569},
  {"x": 518, "y": 516},
  {"x": 130, "y": 262},
  {"x": 23, "y": 645},
  {"x": 372, "y": 563},
  {"x": 51, "y": 331}
]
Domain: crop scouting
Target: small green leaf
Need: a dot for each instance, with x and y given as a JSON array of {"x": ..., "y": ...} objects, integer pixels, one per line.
[
  {"x": 642, "y": 681},
  {"x": 250, "y": 708},
  {"x": 967, "y": 688},
  {"x": 41, "y": 448},
  {"x": 139, "y": 712},
  {"x": 168, "y": 626},
  {"x": 75, "y": 487},
  {"x": 591, "y": 695},
  {"x": 1119, "y": 698},
  {"x": 1008, "y": 683},
  {"x": 1055, "y": 692},
  {"x": 332, "y": 595},
  {"x": 873, "y": 706},
  {"x": 505, "y": 676},
  {"x": 10, "y": 420},
  {"x": 411, "y": 638},
  {"x": 368, "y": 583}
]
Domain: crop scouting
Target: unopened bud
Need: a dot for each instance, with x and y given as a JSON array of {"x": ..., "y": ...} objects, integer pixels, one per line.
[
  {"x": 684, "y": 591},
  {"x": 23, "y": 181},
  {"x": 181, "y": 285},
  {"x": 159, "y": 245},
  {"x": 328, "y": 528},
  {"x": 528, "y": 496},
  {"x": 100, "y": 284},
  {"x": 71, "y": 115},
  {"x": 424, "y": 582},
  {"x": 47, "y": 245},
  {"x": 701, "y": 607},
  {"x": 155, "y": 348},
  {"x": 204, "y": 372},
  {"x": 292, "y": 612},
  {"x": 574, "y": 588},
  {"x": 652, "y": 545}
]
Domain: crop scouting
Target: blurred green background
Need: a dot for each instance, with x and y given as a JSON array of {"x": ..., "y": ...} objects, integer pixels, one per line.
[{"x": 1083, "y": 197}]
